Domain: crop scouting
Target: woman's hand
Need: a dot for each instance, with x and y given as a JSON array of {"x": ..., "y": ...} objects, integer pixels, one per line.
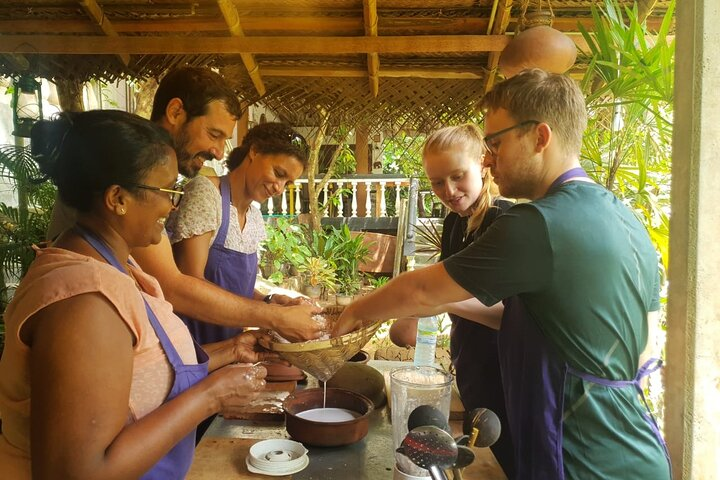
[
  {"x": 236, "y": 385},
  {"x": 243, "y": 348},
  {"x": 285, "y": 301}
]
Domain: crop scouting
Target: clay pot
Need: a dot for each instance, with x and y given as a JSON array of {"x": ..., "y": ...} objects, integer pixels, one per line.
[
  {"x": 277, "y": 372},
  {"x": 326, "y": 434},
  {"x": 403, "y": 332},
  {"x": 313, "y": 291},
  {"x": 538, "y": 47},
  {"x": 343, "y": 300},
  {"x": 361, "y": 357}
]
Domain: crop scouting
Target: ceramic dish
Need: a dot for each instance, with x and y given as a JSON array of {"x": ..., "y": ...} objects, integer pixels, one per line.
[{"x": 278, "y": 473}]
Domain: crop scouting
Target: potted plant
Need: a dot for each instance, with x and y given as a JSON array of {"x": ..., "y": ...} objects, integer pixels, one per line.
[
  {"x": 282, "y": 250},
  {"x": 318, "y": 276},
  {"x": 349, "y": 252}
]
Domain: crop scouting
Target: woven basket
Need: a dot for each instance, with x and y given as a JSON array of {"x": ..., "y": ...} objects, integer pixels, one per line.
[{"x": 322, "y": 358}]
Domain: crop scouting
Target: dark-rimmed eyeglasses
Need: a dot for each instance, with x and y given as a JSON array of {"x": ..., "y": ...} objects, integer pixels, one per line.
[
  {"x": 492, "y": 147},
  {"x": 175, "y": 195}
]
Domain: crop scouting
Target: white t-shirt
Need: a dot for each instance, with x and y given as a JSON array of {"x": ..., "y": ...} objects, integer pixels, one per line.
[{"x": 200, "y": 211}]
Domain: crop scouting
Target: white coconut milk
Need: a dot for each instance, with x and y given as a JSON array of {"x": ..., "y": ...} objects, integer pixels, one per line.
[{"x": 328, "y": 415}]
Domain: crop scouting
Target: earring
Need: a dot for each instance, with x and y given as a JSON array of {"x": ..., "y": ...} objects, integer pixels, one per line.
[{"x": 122, "y": 211}]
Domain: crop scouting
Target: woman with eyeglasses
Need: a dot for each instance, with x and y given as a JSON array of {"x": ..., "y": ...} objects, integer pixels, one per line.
[
  {"x": 216, "y": 230},
  {"x": 453, "y": 162},
  {"x": 99, "y": 378}
]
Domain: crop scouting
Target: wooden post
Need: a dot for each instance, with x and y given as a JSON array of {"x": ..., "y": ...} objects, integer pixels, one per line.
[
  {"x": 243, "y": 124},
  {"x": 363, "y": 165},
  {"x": 70, "y": 95}
]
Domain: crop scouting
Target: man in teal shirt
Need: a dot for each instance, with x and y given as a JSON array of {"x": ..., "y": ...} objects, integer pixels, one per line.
[{"x": 578, "y": 276}]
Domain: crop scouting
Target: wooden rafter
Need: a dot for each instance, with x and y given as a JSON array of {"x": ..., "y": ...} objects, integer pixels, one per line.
[
  {"x": 498, "y": 26},
  {"x": 95, "y": 12},
  {"x": 251, "y": 26},
  {"x": 232, "y": 18},
  {"x": 95, "y": 45},
  {"x": 371, "y": 30},
  {"x": 334, "y": 72}
]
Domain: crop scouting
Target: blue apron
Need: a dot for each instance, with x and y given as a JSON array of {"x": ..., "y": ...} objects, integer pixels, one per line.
[
  {"x": 176, "y": 463},
  {"x": 534, "y": 382},
  {"x": 233, "y": 271}
]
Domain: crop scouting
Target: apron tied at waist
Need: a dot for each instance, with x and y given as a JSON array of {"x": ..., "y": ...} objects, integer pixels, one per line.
[{"x": 652, "y": 365}]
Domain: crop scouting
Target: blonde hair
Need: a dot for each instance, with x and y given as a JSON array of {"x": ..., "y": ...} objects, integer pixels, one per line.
[{"x": 469, "y": 138}]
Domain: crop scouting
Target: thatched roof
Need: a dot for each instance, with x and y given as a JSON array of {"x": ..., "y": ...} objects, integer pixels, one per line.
[{"x": 419, "y": 62}]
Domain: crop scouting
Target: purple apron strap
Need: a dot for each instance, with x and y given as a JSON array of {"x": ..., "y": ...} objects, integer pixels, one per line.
[
  {"x": 577, "y": 172},
  {"x": 176, "y": 463},
  {"x": 226, "y": 201},
  {"x": 650, "y": 366}
]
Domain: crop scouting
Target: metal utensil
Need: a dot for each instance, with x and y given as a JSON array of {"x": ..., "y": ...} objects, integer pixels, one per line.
[
  {"x": 464, "y": 458},
  {"x": 427, "y": 415},
  {"x": 430, "y": 448},
  {"x": 483, "y": 426},
  {"x": 462, "y": 440}
]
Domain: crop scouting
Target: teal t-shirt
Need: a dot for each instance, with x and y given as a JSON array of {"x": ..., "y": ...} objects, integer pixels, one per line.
[{"x": 587, "y": 274}]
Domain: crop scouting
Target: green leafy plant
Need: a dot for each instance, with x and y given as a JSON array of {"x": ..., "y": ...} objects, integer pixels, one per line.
[
  {"x": 282, "y": 249},
  {"x": 429, "y": 239},
  {"x": 349, "y": 252},
  {"x": 378, "y": 282},
  {"x": 629, "y": 91},
  {"x": 24, "y": 225},
  {"x": 316, "y": 272}
]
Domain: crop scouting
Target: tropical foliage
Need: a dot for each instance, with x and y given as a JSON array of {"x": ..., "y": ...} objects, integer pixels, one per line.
[
  {"x": 24, "y": 225},
  {"x": 629, "y": 89}
]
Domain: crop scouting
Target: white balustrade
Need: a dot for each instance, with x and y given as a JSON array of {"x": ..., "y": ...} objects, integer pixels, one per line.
[
  {"x": 283, "y": 202},
  {"x": 297, "y": 207},
  {"x": 380, "y": 185},
  {"x": 353, "y": 213},
  {"x": 341, "y": 209}
]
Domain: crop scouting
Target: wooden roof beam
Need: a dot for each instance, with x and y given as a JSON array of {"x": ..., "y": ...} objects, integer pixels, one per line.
[
  {"x": 95, "y": 12},
  {"x": 501, "y": 9},
  {"x": 250, "y": 25},
  {"x": 232, "y": 18},
  {"x": 359, "y": 72},
  {"x": 158, "y": 45},
  {"x": 373, "y": 59}
]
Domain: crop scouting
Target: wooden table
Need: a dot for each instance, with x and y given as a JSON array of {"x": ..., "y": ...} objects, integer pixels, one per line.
[{"x": 221, "y": 453}]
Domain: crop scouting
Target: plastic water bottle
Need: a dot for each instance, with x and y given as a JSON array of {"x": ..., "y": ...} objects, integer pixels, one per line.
[{"x": 425, "y": 341}]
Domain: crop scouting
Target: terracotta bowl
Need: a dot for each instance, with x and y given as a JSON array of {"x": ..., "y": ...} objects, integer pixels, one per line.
[
  {"x": 277, "y": 372},
  {"x": 325, "y": 434}
]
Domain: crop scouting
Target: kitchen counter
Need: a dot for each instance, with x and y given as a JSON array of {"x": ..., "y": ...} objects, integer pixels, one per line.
[{"x": 222, "y": 451}]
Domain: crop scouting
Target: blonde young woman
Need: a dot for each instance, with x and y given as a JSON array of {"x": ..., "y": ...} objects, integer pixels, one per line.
[{"x": 452, "y": 158}]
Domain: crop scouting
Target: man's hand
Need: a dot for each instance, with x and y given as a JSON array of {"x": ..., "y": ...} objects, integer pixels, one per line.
[
  {"x": 295, "y": 323},
  {"x": 346, "y": 323}
]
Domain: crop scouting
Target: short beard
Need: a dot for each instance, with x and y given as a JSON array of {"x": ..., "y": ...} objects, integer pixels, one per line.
[{"x": 186, "y": 165}]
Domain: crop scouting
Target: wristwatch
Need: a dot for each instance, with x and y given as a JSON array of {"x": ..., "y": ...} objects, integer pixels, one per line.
[{"x": 268, "y": 298}]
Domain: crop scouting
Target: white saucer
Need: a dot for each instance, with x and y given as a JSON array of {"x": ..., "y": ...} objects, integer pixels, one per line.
[{"x": 277, "y": 473}]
